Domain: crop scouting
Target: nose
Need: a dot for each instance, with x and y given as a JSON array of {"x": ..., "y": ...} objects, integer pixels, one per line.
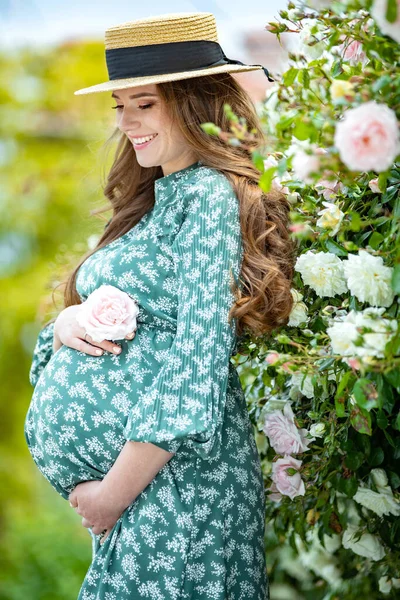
[{"x": 127, "y": 123}]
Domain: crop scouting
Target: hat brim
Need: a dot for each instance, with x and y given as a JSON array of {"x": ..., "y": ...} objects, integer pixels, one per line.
[{"x": 121, "y": 84}]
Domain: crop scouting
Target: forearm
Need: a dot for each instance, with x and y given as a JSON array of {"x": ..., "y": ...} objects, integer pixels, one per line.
[{"x": 136, "y": 466}]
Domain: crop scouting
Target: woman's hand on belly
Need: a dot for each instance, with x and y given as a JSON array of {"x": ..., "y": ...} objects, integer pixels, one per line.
[
  {"x": 97, "y": 513},
  {"x": 67, "y": 332}
]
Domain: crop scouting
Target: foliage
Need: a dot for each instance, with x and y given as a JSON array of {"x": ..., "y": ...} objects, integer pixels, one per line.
[
  {"x": 49, "y": 173},
  {"x": 336, "y": 363}
]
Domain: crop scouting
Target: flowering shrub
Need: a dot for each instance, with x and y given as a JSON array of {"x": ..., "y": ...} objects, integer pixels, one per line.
[{"x": 324, "y": 391}]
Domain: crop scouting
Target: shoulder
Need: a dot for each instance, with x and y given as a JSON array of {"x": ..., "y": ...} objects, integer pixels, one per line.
[{"x": 208, "y": 188}]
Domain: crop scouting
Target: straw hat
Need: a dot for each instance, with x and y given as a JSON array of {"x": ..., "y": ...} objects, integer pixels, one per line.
[{"x": 165, "y": 48}]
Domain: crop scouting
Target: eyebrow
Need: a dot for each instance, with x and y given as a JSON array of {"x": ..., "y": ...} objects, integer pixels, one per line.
[{"x": 141, "y": 95}]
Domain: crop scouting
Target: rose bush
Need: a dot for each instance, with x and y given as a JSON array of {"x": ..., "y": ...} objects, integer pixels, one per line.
[{"x": 324, "y": 391}]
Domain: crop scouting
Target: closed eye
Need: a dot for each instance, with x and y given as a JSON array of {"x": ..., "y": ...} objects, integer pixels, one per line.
[{"x": 144, "y": 106}]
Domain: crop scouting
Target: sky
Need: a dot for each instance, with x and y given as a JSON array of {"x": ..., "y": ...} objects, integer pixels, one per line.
[{"x": 47, "y": 22}]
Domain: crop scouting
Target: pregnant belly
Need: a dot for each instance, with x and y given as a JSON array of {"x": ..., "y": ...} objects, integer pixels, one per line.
[{"x": 75, "y": 421}]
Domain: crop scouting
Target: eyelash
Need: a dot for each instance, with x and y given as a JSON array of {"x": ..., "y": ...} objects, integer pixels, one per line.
[{"x": 144, "y": 106}]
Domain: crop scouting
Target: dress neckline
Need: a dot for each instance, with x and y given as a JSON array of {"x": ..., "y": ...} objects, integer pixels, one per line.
[{"x": 162, "y": 183}]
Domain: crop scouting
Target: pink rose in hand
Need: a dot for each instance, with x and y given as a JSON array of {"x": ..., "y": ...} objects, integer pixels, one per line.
[
  {"x": 284, "y": 436},
  {"x": 108, "y": 314},
  {"x": 287, "y": 485}
]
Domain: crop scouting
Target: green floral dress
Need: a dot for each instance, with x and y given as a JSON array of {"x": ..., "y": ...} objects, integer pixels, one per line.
[{"x": 197, "y": 530}]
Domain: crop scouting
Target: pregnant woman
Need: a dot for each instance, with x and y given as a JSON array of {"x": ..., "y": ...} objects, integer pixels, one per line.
[{"x": 148, "y": 437}]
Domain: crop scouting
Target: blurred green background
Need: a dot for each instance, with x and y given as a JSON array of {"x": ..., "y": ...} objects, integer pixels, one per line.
[{"x": 52, "y": 164}]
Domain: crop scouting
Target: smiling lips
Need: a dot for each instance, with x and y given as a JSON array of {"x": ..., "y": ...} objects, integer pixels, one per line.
[{"x": 142, "y": 142}]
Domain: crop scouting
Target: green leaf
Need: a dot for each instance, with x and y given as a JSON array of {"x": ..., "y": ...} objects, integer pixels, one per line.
[
  {"x": 365, "y": 394},
  {"x": 285, "y": 122},
  {"x": 394, "y": 480},
  {"x": 391, "y": 11},
  {"x": 340, "y": 396},
  {"x": 396, "y": 279},
  {"x": 335, "y": 248},
  {"x": 382, "y": 420},
  {"x": 386, "y": 394},
  {"x": 377, "y": 86},
  {"x": 291, "y": 471},
  {"x": 361, "y": 420},
  {"x": 210, "y": 128},
  {"x": 376, "y": 457},
  {"x": 348, "y": 486},
  {"x": 304, "y": 78},
  {"x": 375, "y": 240},
  {"x": 303, "y": 130},
  {"x": 326, "y": 364},
  {"x": 258, "y": 161},
  {"x": 396, "y": 424},
  {"x": 265, "y": 181},
  {"x": 393, "y": 377},
  {"x": 355, "y": 221},
  {"x": 354, "y": 461},
  {"x": 336, "y": 68},
  {"x": 396, "y": 453},
  {"x": 290, "y": 76},
  {"x": 383, "y": 177}
]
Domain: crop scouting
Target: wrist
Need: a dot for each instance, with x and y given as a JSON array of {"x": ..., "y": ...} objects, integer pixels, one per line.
[{"x": 110, "y": 497}]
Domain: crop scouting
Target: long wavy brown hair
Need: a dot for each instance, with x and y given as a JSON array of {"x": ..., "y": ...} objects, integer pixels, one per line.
[{"x": 264, "y": 301}]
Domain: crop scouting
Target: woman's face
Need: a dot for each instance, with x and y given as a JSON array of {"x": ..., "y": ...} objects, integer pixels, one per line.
[{"x": 141, "y": 113}]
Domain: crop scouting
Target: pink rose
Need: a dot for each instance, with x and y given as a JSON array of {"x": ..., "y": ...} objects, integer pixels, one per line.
[
  {"x": 286, "y": 484},
  {"x": 353, "y": 52},
  {"x": 329, "y": 188},
  {"x": 272, "y": 358},
  {"x": 108, "y": 314},
  {"x": 368, "y": 137},
  {"x": 304, "y": 164},
  {"x": 284, "y": 436},
  {"x": 275, "y": 496}
]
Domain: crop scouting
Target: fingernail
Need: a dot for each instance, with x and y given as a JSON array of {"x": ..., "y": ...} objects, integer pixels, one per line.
[
  {"x": 99, "y": 351},
  {"x": 116, "y": 349},
  {"x": 130, "y": 335},
  {"x": 71, "y": 504}
]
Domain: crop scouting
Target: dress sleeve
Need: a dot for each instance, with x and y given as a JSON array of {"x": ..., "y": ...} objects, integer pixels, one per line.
[
  {"x": 42, "y": 352},
  {"x": 185, "y": 403}
]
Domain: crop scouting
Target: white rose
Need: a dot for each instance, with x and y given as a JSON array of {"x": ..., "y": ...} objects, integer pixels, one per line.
[
  {"x": 306, "y": 37},
  {"x": 299, "y": 311},
  {"x": 331, "y": 218},
  {"x": 368, "y": 545},
  {"x": 323, "y": 272},
  {"x": 374, "y": 342},
  {"x": 385, "y": 585},
  {"x": 378, "y": 12},
  {"x": 346, "y": 333},
  {"x": 380, "y": 504},
  {"x": 317, "y": 429},
  {"x": 340, "y": 88},
  {"x": 379, "y": 478},
  {"x": 298, "y": 386},
  {"x": 343, "y": 335},
  {"x": 368, "y": 278}
]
